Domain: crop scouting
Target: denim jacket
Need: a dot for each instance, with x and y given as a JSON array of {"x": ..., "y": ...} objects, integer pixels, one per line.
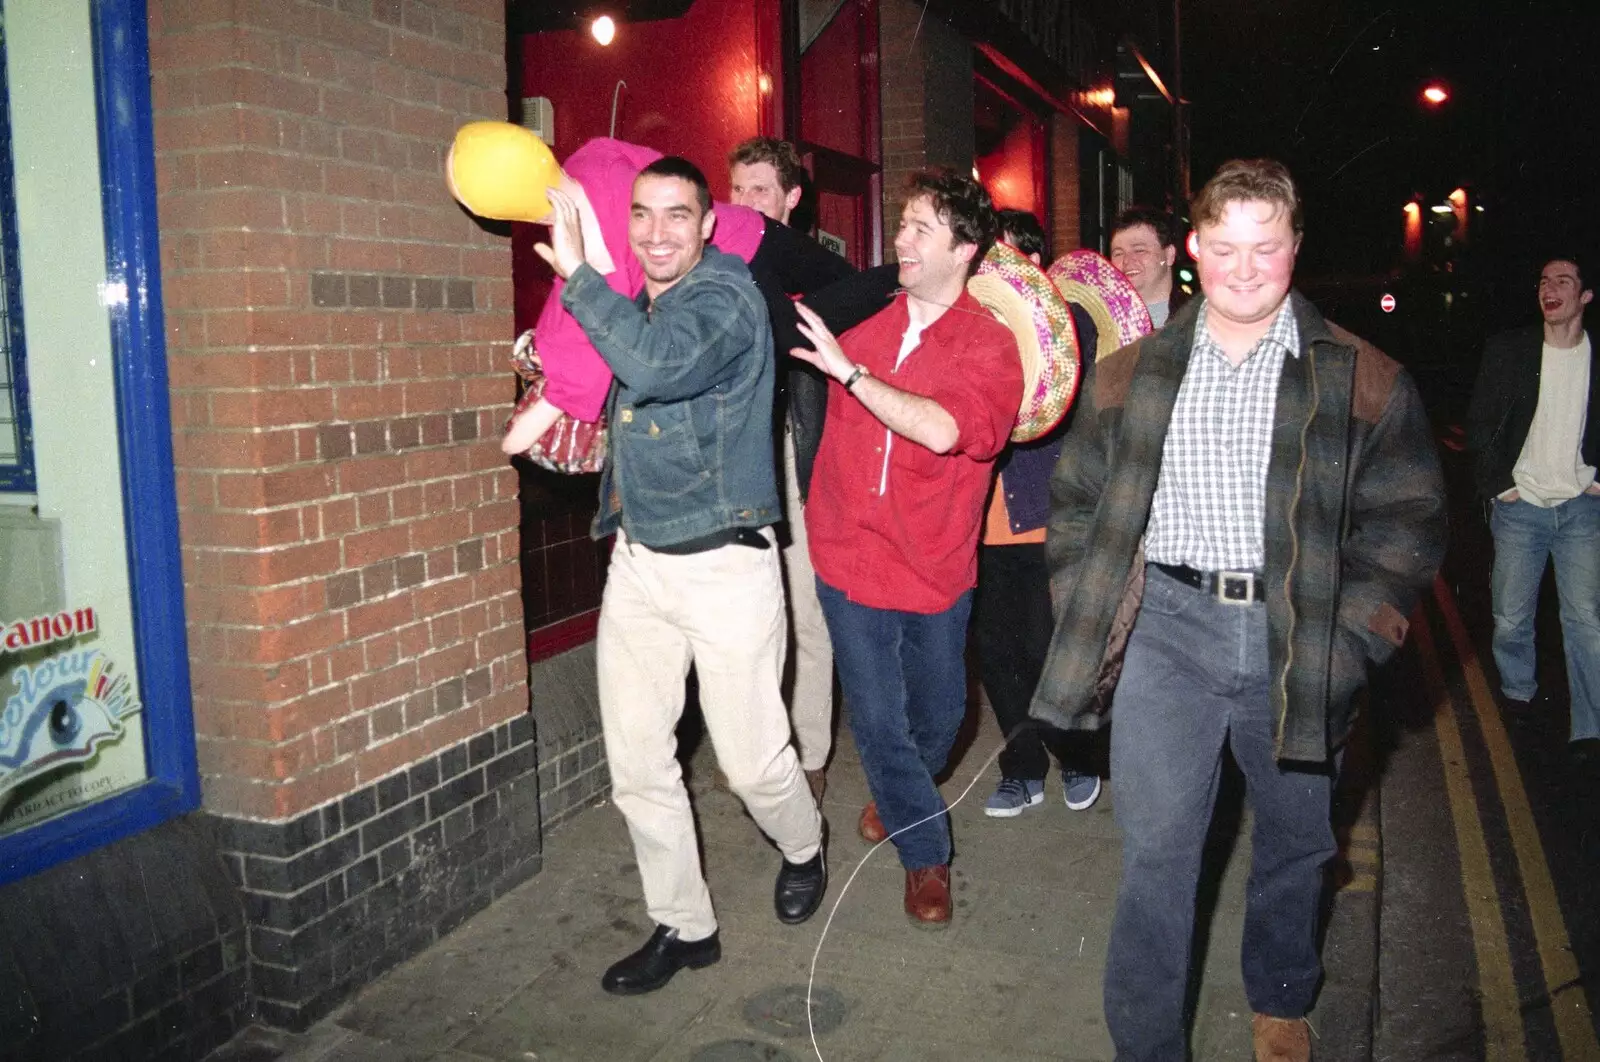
[{"x": 690, "y": 448}]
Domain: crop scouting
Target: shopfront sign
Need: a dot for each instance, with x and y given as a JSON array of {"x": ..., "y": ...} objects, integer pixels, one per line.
[
  {"x": 42, "y": 630},
  {"x": 63, "y": 699},
  {"x": 64, "y": 708}
]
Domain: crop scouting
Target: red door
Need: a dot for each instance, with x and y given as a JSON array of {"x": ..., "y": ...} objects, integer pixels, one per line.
[{"x": 838, "y": 128}]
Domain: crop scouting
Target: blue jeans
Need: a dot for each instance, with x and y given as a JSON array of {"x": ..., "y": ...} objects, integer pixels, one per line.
[
  {"x": 904, "y": 676},
  {"x": 1525, "y": 537},
  {"x": 1195, "y": 676}
]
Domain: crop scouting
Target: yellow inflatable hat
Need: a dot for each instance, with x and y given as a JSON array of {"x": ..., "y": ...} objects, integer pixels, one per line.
[{"x": 501, "y": 171}]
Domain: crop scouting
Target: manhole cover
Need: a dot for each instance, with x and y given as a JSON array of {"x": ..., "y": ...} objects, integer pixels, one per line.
[
  {"x": 781, "y": 1011},
  {"x": 742, "y": 1051}
]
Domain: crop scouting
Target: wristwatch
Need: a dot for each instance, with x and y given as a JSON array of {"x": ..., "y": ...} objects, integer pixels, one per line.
[{"x": 850, "y": 381}]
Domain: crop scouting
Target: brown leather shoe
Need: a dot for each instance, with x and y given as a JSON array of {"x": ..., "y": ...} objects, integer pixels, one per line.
[
  {"x": 928, "y": 896},
  {"x": 1280, "y": 1039},
  {"x": 871, "y": 827},
  {"x": 818, "y": 781}
]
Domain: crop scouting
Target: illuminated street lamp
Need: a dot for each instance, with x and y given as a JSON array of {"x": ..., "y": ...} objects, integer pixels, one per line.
[{"x": 1434, "y": 94}]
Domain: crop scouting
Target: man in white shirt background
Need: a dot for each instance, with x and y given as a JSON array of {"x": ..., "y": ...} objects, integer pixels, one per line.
[{"x": 1534, "y": 428}]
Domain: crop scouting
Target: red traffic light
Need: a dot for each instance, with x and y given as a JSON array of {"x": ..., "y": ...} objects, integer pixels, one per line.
[{"x": 1435, "y": 93}]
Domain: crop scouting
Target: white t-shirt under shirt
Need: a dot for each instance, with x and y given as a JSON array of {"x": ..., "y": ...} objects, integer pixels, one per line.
[
  {"x": 1550, "y": 469},
  {"x": 908, "y": 343}
]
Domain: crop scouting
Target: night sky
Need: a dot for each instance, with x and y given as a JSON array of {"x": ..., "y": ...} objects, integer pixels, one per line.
[{"x": 1332, "y": 89}]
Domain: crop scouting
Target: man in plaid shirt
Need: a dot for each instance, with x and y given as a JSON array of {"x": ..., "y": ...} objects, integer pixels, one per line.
[{"x": 1246, "y": 507}]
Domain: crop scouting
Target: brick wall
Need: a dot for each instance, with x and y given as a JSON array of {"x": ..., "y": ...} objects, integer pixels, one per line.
[
  {"x": 1066, "y": 176},
  {"x": 900, "y": 68},
  {"x": 925, "y": 91},
  {"x": 336, "y": 328}
]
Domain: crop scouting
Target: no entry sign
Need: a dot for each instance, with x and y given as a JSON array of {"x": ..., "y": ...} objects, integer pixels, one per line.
[{"x": 1386, "y": 303}]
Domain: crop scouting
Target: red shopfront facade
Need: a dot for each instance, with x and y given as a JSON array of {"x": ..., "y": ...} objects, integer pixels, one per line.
[{"x": 694, "y": 84}]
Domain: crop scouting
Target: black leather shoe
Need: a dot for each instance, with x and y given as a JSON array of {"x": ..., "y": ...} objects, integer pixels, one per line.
[
  {"x": 654, "y": 964},
  {"x": 799, "y": 889}
]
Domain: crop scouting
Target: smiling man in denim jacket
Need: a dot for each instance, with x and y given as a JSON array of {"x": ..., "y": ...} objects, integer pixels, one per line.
[{"x": 689, "y": 491}]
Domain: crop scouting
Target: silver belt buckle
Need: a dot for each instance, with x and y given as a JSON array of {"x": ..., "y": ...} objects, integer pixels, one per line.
[{"x": 1236, "y": 588}]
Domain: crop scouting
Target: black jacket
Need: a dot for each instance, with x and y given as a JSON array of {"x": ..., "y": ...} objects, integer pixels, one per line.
[
  {"x": 1503, "y": 402},
  {"x": 789, "y": 263}
]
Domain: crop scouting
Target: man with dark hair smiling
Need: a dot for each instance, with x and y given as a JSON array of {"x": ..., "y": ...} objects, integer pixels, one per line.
[
  {"x": 924, "y": 396},
  {"x": 1142, "y": 247},
  {"x": 689, "y": 491},
  {"x": 1534, "y": 427},
  {"x": 1247, "y": 506}
]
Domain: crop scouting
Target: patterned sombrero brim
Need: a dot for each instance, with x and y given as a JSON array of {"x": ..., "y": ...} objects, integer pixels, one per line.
[
  {"x": 1021, "y": 297},
  {"x": 1088, "y": 279}
]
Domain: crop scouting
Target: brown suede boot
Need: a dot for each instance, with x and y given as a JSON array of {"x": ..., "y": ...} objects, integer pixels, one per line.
[{"x": 1281, "y": 1039}]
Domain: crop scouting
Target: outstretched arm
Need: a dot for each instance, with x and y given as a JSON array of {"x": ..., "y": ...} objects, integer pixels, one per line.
[{"x": 922, "y": 420}]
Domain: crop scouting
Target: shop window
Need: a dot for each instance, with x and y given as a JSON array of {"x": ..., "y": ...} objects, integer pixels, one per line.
[
  {"x": 16, "y": 444},
  {"x": 96, "y": 733}
]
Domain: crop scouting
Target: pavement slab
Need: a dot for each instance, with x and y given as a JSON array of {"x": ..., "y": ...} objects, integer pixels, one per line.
[{"x": 1015, "y": 978}]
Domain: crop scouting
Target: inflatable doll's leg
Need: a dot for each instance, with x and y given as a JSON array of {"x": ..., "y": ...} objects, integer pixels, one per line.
[{"x": 529, "y": 426}]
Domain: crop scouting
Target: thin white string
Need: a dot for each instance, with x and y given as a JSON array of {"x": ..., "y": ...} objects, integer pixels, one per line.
[
  {"x": 921, "y": 15},
  {"x": 811, "y": 981}
]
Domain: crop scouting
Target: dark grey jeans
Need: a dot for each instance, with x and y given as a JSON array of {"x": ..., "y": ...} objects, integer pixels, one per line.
[{"x": 1195, "y": 676}]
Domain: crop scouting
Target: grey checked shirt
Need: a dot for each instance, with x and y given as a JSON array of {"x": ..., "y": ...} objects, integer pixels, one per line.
[{"x": 1210, "y": 496}]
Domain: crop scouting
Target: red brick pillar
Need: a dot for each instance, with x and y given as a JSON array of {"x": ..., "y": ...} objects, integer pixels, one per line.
[
  {"x": 337, "y": 329},
  {"x": 925, "y": 91},
  {"x": 1066, "y": 233},
  {"x": 901, "y": 64}
]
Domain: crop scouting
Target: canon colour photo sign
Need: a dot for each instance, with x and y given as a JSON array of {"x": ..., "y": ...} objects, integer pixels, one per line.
[
  {"x": 96, "y": 734},
  {"x": 64, "y": 701}
]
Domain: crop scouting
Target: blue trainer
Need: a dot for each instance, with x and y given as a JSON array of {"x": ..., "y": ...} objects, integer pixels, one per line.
[
  {"x": 1012, "y": 795},
  {"x": 1082, "y": 790}
]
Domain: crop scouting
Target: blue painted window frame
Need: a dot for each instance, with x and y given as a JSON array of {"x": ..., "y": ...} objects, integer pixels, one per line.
[
  {"x": 15, "y": 476},
  {"x": 127, "y": 177}
]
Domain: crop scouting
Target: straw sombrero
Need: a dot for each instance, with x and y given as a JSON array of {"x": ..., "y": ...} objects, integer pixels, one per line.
[
  {"x": 1120, "y": 315},
  {"x": 1022, "y": 298}
]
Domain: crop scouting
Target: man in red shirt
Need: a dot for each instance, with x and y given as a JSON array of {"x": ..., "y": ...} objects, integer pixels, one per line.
[{"x": 923, "y": 397}]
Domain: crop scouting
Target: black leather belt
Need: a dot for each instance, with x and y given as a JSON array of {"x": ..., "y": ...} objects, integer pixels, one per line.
[
  {"x": 1231, "y": 588},
  {"x": 728, "y": 536}
]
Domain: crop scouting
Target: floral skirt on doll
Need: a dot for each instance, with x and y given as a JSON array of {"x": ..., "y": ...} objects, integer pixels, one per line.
[{"x": 571, "y": 445}]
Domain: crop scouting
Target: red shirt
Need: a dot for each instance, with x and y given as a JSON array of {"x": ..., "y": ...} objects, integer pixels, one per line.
[{"x": 905, "y": 537}]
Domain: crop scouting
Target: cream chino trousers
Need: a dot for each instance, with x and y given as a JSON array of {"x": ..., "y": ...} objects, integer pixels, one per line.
[
  {"x": 723, "y": 611},
  {"x": 811, "y": 681}
]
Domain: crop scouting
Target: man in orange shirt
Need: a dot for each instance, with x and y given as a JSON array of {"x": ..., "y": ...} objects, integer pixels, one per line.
[{"x": 1011, "y": 619}]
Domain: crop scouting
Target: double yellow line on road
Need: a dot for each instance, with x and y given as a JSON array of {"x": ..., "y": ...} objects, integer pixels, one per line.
[{"x": 1501, "y": 1003}]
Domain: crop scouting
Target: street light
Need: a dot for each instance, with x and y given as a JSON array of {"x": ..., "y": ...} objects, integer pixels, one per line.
[{"x": 1435, "y": 94}]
